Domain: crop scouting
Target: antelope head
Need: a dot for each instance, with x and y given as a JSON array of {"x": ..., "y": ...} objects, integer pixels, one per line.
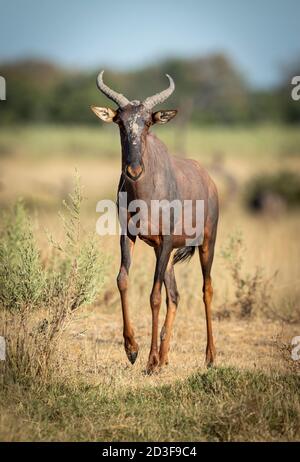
[{"x": 134, "y": 119}]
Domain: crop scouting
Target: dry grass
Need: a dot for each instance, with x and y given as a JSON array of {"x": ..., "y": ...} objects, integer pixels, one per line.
[{"x": 95, "y": 394}]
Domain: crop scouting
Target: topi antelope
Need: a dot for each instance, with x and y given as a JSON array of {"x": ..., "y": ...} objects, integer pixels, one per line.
[{"x": 149, "y": 172}]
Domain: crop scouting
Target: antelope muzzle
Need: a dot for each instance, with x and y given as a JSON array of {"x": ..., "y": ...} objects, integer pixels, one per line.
[{"x": 134, "y": 170}]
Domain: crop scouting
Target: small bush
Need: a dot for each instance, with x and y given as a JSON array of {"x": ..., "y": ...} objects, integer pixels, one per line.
[
  {"x": 287, "y": 309},
  {"x": 265, "y": 192},
  {"x": 22, "y": 279},
  {"x": 76, "y": 262},
  {"x": 251, "y": 291},
  {"x": 71, "y": 278}
]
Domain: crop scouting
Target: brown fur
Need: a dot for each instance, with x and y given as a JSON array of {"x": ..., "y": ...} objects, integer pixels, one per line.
[{"x": 150, "y": 172}]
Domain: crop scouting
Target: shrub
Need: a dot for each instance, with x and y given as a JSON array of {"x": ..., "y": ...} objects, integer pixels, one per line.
[
  {"x": 72, "y": 277},
  {"x": 250, "y": 290},
  {"x": 272, "y": 191},
  {"x": 77, "y": 262},
  {"x": 287, "y": 309},
  {"x": 22, "y": 279}
]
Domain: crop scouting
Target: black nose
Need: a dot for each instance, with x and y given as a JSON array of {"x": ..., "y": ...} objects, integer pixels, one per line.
[{"x": 134, "y": 173}]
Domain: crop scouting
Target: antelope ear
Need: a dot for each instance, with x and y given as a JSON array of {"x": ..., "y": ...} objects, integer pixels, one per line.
[
  {"x": 162, "y": 117},
  {"x": 104, "y": 113}
]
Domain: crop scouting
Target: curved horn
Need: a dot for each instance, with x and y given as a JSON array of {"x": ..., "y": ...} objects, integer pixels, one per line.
[
  {"x": 111, "y": 94},
  {"x": 152, "y": 101}
]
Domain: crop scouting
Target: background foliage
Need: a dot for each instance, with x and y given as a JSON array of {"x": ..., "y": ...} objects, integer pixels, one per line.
[{"x": 209, "y": 89}]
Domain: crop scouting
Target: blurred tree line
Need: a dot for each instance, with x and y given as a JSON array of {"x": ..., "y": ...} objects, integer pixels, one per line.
[{"x": 208, "y": 90}]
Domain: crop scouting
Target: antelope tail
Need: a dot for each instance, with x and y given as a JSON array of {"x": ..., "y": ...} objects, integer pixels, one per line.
[{"x": 184, "y": 254}]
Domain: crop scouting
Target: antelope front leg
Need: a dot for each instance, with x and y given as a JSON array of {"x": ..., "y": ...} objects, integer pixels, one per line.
[
  {"x": 162, "y": 259},
  {"x": 130, "y": 345}
]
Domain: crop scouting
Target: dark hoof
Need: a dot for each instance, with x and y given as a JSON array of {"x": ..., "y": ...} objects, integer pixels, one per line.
[
  {"x": 153, "y": 364},
  {"x": 152, "y": 370},
  {"x": 210, "y": 365},
  {"x": 210, "y": 357},
  {"x": 132, "y": 356}
]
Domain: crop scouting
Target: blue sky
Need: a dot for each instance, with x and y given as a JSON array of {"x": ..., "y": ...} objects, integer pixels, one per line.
[{"x": 260, "y": 36}]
